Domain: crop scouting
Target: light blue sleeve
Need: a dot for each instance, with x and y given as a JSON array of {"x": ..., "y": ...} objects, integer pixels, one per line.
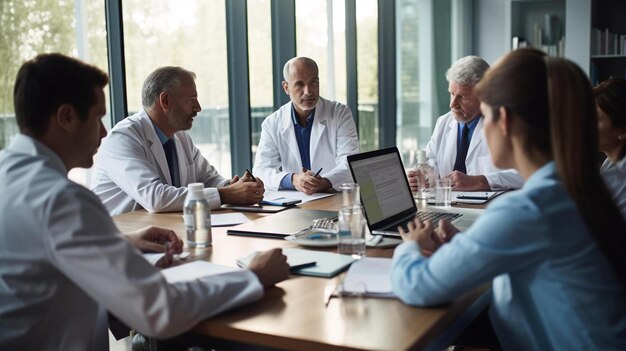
[
  {"x": 507, "y": 237},
  {"x": 285, "y": 183}
]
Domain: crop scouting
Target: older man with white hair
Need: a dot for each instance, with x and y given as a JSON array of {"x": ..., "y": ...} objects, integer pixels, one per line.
[{"x": 458, "y": 149}]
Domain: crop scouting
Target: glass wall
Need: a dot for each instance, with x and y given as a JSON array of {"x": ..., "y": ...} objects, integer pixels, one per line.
[
  {"x": 367, "y": 72},
  {"x": 260, "y": 66},
  {"x": 190, "y": 34},
  {"x": 321, "y": 35},
  {"x": 409, "y": 130},
  {"x": 76, "y": 28}
]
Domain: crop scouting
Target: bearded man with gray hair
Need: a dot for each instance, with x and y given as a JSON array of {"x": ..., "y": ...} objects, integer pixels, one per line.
[{"x": 458, "y": 149}]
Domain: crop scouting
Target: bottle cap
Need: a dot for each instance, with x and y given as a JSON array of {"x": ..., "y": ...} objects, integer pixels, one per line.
[
  {"x": 196, "y": 190},
  {"x": 421, "y": 157}
]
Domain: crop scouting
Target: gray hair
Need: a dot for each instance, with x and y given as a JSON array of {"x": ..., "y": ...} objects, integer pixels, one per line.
[
  {"x": 306, "y": 60},
  {"x": 468, "y": 70},
  {"x": 162, "y": 79}
]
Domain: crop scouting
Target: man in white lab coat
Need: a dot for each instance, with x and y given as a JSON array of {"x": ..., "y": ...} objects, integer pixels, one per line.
[
  {"x": 304, "y": 144},
  {"x": 457, "y": 149},
  {"x": 63, "y": 262},
  {"x": 148, "y": 159}
]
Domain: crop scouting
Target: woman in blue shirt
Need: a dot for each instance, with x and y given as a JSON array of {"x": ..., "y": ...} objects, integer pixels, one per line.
[{"x": 555, "y": 249}]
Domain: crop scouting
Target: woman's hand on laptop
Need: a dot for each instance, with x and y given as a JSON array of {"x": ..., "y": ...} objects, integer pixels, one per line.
[
  {"x": 446, "y": 231},
  {"x": 423, "y": 234}
]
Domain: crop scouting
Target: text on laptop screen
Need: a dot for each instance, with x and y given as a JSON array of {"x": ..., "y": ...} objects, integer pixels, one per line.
[{"x": 384, "y": 190}]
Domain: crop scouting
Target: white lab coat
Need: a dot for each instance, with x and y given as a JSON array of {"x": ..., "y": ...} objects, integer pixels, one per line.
[
  {"x": 131, "y": 170},
  {"x": 441, "y": 154},
  {"x": 63, "y": 265},
  {"x": 333, "y": 138}
]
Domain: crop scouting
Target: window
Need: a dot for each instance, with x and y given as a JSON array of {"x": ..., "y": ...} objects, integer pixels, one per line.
[
  {"x": 260, "y": 63},
  {"x": 75, "y": 28},
  {"x": 190, "y": 34},
  {"x": 320, "y": 35},
  {"x": 367, "y": 72}
]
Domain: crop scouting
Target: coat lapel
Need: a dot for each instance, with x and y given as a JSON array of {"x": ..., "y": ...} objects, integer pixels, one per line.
[
  {"x": 155, "y": 145},
  {"x": 288, "y": 134},
  {"x": 477, "y": 138},
  {"x": 319, "y": 128}
]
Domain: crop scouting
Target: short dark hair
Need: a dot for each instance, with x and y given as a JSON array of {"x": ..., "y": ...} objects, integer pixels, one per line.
[
  {"x": 49, "y": 80},
  {"x": 611, "y": 99}
]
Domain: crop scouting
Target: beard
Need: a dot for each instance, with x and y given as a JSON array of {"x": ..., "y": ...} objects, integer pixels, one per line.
[{"x": 180, "y": 120}]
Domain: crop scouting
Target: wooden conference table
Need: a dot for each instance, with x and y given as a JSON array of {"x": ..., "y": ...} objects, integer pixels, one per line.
[{"x": 294, "y": 316}]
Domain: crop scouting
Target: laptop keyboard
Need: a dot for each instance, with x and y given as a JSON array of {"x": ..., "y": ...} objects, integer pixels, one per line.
[{"x": 434, "y": 217}]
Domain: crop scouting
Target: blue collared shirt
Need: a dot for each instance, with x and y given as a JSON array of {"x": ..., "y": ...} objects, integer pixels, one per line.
[
  {"x": 163, "y": 139},
  {"x": 553, "y": 288},
  {"x": 303, "y": 137},
  {"x": 471, "y": 125}
]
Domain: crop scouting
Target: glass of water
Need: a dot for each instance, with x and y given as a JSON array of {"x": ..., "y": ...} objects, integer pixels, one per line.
[
  {"x": 350, "y": 195},
  {"x": 443, "y": 192},
  {"x": 351, "y": 236}
]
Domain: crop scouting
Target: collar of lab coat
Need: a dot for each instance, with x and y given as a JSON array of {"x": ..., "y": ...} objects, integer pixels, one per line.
[
  {"x": 155, "y": 145},
  {"x": 319, "y": 126},
  {"x": 25, "y": 144},
  {"x": 477, "y": 137}
]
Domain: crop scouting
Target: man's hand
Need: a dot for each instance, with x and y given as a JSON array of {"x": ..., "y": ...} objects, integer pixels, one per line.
[
  {"x": 464, "y": 182},
  {"x": 414, "y": 176},
  {"x": 427, "y": 239},
  {"x": 270, "y": 267},
  {"x": 308, "y": 183},
  {"x": 246, "y": 190},
  {"x": 154, "y": 239}
]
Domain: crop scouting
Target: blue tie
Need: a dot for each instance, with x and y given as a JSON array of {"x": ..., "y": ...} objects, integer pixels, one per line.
[
  {"x": 170, "y": 155},
  {"x": 461, "y": 155}
]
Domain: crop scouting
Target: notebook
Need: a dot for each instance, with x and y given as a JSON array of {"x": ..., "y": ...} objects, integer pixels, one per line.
[
  {"x": 386, "y": 195},
  {"x": 327, "y": 264},
  {"x": 282, "y": 224},
  {"x": 370, "y": 276}
]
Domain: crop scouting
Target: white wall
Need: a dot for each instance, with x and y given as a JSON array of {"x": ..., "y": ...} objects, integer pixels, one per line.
[{"x": 489, "y": 32}]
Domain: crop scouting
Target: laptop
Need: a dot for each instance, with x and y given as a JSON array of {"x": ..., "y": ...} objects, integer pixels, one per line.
[{"x": 386, "y": 196}]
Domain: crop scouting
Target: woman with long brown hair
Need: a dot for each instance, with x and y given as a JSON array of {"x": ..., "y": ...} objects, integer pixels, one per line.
[
  {"x": 555, "y": 249},
  {"x": 611, "y": 107}
]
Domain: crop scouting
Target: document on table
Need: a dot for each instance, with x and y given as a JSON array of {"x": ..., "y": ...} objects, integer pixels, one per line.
[
  {"x": 153, "y": 258},
  {"x": 194, "y": 270},
  {"x": 288, "y": 195},
  {"x": 226, "y": 219},
  {"x": 369, "y": 276}
]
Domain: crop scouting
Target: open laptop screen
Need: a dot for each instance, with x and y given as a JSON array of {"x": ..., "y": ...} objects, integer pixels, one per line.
[{"x": 385, "y": 192}]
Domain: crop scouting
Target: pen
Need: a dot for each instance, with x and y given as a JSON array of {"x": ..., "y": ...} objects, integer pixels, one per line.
[
  {"x": 318, "y": 172},
  {"x": 253, "y": 177},
  {"x": 320, "y": 236},
  {"x": 472, "y": 197}
]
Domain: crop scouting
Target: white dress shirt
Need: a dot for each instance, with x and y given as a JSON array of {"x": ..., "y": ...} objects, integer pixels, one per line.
[
  {"x": 333, "y": 138},
  {"x": 441, "y": 154},
  {"x": 614, "y": 175},
  {"x": 63, "y": 264},
  {"x": 131, "y": 170}
]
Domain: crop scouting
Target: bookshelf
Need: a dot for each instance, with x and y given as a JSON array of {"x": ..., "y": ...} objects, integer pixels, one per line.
[
  {"x": 539, "y": 24},
  {"x": 608, "y": 40}
]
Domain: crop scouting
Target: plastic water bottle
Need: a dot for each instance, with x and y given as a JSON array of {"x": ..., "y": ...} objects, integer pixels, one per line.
[
  {"x": 426, "y": 179},
  {"x": 197, "y": 217}
]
